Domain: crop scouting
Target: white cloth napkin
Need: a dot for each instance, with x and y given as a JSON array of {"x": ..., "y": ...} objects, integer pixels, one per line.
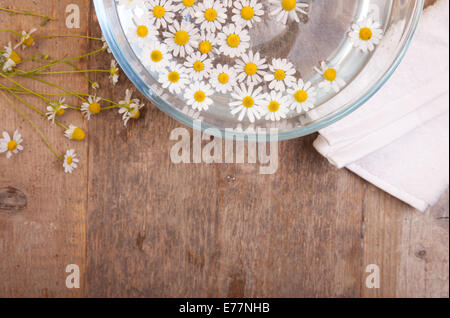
[{"x": 399, "y": 140}]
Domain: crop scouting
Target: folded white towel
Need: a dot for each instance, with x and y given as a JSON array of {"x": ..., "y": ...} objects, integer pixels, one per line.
[{"x": 399, "y": 140}]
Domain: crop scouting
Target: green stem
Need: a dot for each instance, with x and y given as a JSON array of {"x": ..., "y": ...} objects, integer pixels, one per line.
[
  {"x": 11, "y": 31},
  {"x": 68, "y": 36},
  {"x": 73, "y": 72},
  {"x": 59, "y": 87}
]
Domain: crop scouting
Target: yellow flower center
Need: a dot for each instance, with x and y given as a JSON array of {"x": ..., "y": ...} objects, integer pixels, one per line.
[
  {"x": 156, "y": 56},
  {"x": 15, "y": 57},
  {"x": 188, "y": 3},
  {"x": 136, "y": 114},
  {"x": 60, "y": 112},
  {"x": 205, "y": 47},
  {"x": 301, "y": 96},
  {"x": 78, "y": 134},
  {"x": 159, "y": 12},
  {"x": 181, "y": 37},
  {"x": 289, "y": 5},
  {"x": 12, "y": 145},
  {"x": 28, "y": 41},
  {"x": 94, "y": 108},
  {"x": 247, "y": 13},
  {"x": 69, "y": 160},
  {"x": 223, "y": 78},
  {"x": 248, "y": 102},
  {"x": 251, "y": 69},
  {"x": 199, "y": 96},
  {"x": 365, "y": 34},
  {"x": 199, "y": 66},
  {"x": 174, "y": 77},
  {"x": 280, "y": 75},
  {"x": 274, "y": 106},
  {"x": 142, "y": 31},
  {"x": 330, "y": 74},
  {"x": 210, "y": 14},
  {"x": 233, "y": 40}
]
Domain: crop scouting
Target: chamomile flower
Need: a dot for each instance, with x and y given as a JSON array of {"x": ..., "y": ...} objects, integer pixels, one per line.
[
  {"x": 141, "y": 32},
  {"x": 281, "y": 74},
  {"x": 91, "y": 107},
  {"x": 223, "y": 78},
  {"x": 11, "y": 58},
  {"x": 186, "y": 7},
  {"x": 366, "y": 34},
  {"x": 11, "y": 145},
  {"x": 75, "y": 133},
  {"x": 247, "y": 12},
  {"x": 285, "y": 10},
  {"x": 233, "y": 40},
  {"x": 181, "y": 38},
  {"x": 247, "y": 102},
  {"x": 130, "y": 107},
  {"x": 26, "y": 40},
  {"x": 114, "y": 72},
  {"x": 129, "y": 4},
  {"x": 276, "y": 106},
  {"x": 198, "y": 96},
  {"x": 156, "y": 56},
  {"x": 251, "y": 68},
  {"x": 302, "y": 96},
  {"x": 174, "y": 78},
  {"x": 210, "y": 15},
  {"x": 105, "y": 45},
  {"x": 55, "y": 109},
  {"x": 70, "y": 161},
  {"x": 198, "y": 66},
  {"x": 161, "y": 13},
  {"x": 207, "y": 42},
  {"x": 331, "y": 79}
]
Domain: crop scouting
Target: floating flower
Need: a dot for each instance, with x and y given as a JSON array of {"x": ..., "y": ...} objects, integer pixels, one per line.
[
  {"x": 223, "y": 78},
  {"x": 247, "y": 12},
  {"x": 198, "y": 66},
  {"x": 285, "y": 10},
  {"x": 198, "y": 96},
  {"x": 11, "y": 145},
  {"x": 210, "y": 15},
  {"x": 131, "y": 108},
  {"x": 331, "y": 79},
  {"x": 55, "y": 109},
  {"x": 276, "y": 106},
  {"x": 156, "y": 56},
  {"x": 11, "y": 57},
  {"x": 302, "y": 96},
  {"x": 366, "y": 34},
  {"x": 160, "y": 12},
  {"x": 142, "y": 31},
  {"x": 207, "y": 42},
  {"x": 181, "y": 38},
  {"x": 186, "y": 7},
  {"x": 251, "y": 68},
  {"x": 75, "y": 133},
  {"x": 233, "y": 40},
  {"x": 247, "y": 102},
  {"x": 114, "y": 72},
  {"x": 174, "y": 78},
  {"x": 91, "y": 107},
  {"x": 26, "y": 39},
  {"x": 281, "y": 74},
  {"x": 70, "y": 161}
]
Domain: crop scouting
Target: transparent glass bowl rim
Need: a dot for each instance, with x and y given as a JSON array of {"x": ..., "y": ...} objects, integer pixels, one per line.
[{"x": 295, "y": 133}]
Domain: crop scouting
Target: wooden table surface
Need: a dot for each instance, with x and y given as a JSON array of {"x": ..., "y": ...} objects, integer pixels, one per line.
[{"x": 138, "y": 225}]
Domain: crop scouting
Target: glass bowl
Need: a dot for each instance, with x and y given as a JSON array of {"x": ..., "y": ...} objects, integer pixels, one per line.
[{"x": 322, "y": 35}]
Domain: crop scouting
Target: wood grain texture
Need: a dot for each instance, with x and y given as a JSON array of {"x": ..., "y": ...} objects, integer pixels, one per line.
[{"x": 140, "y": 226}]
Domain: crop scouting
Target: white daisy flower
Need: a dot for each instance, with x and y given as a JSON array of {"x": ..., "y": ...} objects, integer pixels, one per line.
[
  {"x": 75, "y": 133},
  {"x": 276, "y": 106},
  {"x": 186, "y": 7},
  {"x": 281, "y": 74},
  {"x": 181, "y": 38},
  {"x": 160, "y": 13},
  {"x": 11, "y": 145},
  {"x": 129, "y": 4},
  {"x": 105, "y": 45},
  {"x": 247, "y": 12},
  {"x": 302, "y": 96},
  {"x": 156, "y": 56},
  {"x": 198, "y": 96},
  {"x": 198, "y": 66},
  {"x": 131, "y": 108},
  {"x": 223, "y": 78},
  {"x": 251, "y": 67},
  {"x": 70, "y": 161},
  {"x": 210, "y": 15},
  {"x": 141, "y": 32},
  {"x": 331, "y": 79},
  {"x": 285, "y": 10},
  {"x": 247, "y": 102},
  {"x": 366, "y": 34},
  {"x": 233, "y": 40},
  {"x": 11, "y": 58},
  {"x": 174, "y": 78},
  {"x": 91, "y": 107},
  {"x": 26, "y": 39},
  {"x": 114, "y": 72},
  {"x": 55, "y": 109},
  {"x": 207, "y": 43}
]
